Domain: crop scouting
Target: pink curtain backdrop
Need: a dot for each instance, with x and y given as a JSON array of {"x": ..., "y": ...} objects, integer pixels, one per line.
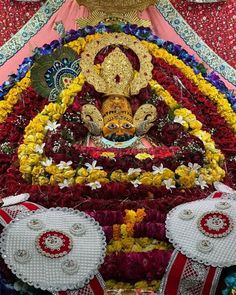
[{"x": 68, "y": 13}]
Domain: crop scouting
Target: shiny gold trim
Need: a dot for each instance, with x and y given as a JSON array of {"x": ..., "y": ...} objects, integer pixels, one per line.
[
  {"x": 110, "y": 12},
  {"x": 100, "y": 82}
]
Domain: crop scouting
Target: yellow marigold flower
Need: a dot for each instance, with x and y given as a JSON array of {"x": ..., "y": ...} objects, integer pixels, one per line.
[
  {"x": 140, "y": 214},
  {"x": 195, "y": 124},
  {"x": 108, "y": 155},
  {"x": 136, "y": 248},
  {"x": 37, "y": 138},
  {"x": 59, "y": 177},
  {"x": 95, "y": 174},
  {"x": 116, "y": 231},
  {"x": 114, "y": 246},
  {"x": 52, "y": 169},
  {"x": 116, "y": 176},
  {"x": 167, "y": 173},
  {"x": 37, "y": 171},
  {"x": 103, "y": 180},
  {"x": 34, "y": 159},
  {"x": 157, "y": 179},
  {"x": 144, "y": 156},
  {"x": 42, "y": 180},
  {"x": 187, "y": 181},
  {"x": 144, "y": 242},
  {"x": 141, "y": 285},
  {"x": 69, "y": 173},
  {"x": 130, "y": 229},
  {"x": 123, "y": 230},
  {"x": 182, "y": 170},
  {"x": 25, "y": 168},
  {"x": 80, "y": 180},
  {"x": 146, "y": 178},
  {"x": 128, "y": 243},
  {"x": 82, "y": 172},
  {"x": 130, "y": 216}
]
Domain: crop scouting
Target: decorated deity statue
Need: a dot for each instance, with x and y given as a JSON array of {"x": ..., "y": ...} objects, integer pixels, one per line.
[{"x": 115, "y": 125}]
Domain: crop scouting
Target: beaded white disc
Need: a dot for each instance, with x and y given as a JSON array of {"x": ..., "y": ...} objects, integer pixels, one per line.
[
  {"x": 51, "y": 257},
  {"x": 207, "y": 237}
]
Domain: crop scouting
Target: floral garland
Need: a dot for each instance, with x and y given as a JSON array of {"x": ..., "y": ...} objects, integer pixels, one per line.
[
  {"x": 189, "y": 121},
  {"x": 139, "y": 32},
  {"x": 188, "y": 95},
  {"x": 143, "y": 285},
  {"x": 33, "y": 161},
  {"x": 137, "y": 245},
  {"x": 13, "y": 96},
  {"x": 135, "y": 266},
  {"x": 124, "y": 232},
  {"x": 224, "y": 107}
]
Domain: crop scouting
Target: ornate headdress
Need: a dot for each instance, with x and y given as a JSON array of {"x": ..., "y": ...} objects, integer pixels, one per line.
[
  {"x": 117, "y": 76},
  {"x": 117, "y": 80}
]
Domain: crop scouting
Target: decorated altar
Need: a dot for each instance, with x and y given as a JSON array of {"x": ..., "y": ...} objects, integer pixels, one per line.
[{"x": 124, "y": 126}]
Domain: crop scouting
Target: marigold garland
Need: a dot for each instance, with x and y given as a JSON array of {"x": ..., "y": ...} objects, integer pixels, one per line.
[
  {"x": 143, "y": 285},
  {"x": 12, "y": 97},
  {"x": 33, "y": 162},
  {"x": 130, "y": 244},
  {"x": 205, "y": 87}
]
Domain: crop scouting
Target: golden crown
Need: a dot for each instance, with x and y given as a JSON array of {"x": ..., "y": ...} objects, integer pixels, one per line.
[{"x": 116, "y": 75}]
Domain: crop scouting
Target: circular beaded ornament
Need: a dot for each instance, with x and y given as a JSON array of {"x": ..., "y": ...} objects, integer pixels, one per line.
[
  {"x": 53, "y": 243},
  {"x": 215, "y": 224}
]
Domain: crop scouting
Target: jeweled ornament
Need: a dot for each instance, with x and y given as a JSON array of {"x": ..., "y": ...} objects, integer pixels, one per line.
[
  {"x": 215, "y": 224},
  {"x": 54, "y": 243},
  {"x": 70, "y": 266},
  {"x": 205, "y": 246},
  {"x": 22, "y": 256},
  {"x": 77, "y": 229},
  {"x": 35, "y": 224},
  {"x": 186, "y": 214}
]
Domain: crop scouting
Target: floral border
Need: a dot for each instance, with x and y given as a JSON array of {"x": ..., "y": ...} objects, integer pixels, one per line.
[
  {"x": 10, "y": 48},
  {"x": 181, "y": 27}
]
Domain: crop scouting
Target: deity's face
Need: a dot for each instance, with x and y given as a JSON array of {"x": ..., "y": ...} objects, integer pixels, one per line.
[{"x": 118, "y": 130}]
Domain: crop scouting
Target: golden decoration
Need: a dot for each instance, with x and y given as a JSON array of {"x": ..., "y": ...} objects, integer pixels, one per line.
[
  {"x": 116, "y": 67},
  {"x": 144, "y": 118},
  {"x": 92, "y": 119},
  {"x": 115, "y": 12},
  {"x": 117, "y": 72},
  {"x": 116, "y": 108}
]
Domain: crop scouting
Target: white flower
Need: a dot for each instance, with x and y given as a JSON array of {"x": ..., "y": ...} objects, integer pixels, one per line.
[
  {"x": 47, "y": 162},
  {"x": 64, "y": 165},
  {"x": 39, "y": 148},
  {"x": 52, "y": 126},
  {"x": 134, "y": 170},
  {"x": 93, "y": 166},
  {"x": 159, "y": 169},
  {"x": 194, "y": 166},
  {"x": 94, "y": 185},
  {"x": 169, "y": 183},
  {"x": 179, "y": 119},
  {"x": 65, "y": 183},
  {"x": 201, "y": 182},
  {"x": 136, "y": 182}
]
